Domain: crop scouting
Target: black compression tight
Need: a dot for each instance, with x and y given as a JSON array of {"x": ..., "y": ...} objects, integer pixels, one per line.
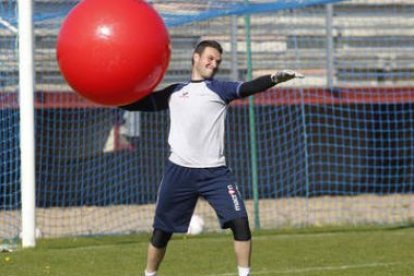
[
  {"x": 160, "y": 238},
  {"x": 240, "y": 228}
]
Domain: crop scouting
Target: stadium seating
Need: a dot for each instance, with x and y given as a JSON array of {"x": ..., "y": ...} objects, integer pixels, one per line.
[{"x": 361, "y": 38}]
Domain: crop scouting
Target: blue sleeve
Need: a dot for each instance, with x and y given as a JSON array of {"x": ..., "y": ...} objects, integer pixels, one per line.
[
  {"x": 155, "y": 101},
  {"x": 227, "y": 90}
]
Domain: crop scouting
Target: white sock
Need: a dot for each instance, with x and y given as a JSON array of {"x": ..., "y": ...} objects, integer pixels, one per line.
[
  {"x": 150, "y": 273},
  {"x": 244, "y": 271}
]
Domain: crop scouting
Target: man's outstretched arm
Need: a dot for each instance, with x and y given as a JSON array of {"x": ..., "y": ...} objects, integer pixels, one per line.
[
  {"x": 155, "y": 101},
  {"x": 265, "y": 82}
]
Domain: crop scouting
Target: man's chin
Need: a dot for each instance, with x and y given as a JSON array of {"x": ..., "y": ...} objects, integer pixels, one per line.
[{"x": 209, "y": 76}]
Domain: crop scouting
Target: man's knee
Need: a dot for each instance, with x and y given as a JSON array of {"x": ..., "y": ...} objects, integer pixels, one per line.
[
  {"x": 240, "y": 228},
  {"x": 160, "y": 238}
]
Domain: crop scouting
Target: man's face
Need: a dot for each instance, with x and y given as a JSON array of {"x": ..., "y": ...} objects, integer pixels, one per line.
[{"x": 207, "y": 64}]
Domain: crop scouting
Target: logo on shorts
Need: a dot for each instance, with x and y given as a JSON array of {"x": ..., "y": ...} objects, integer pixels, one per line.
[{"x": 233, "y": 194}]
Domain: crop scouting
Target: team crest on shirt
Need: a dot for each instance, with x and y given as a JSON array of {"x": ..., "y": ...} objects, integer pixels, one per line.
[
  {"x": 184, "y": 94},
  {"x": 233, "y": 192}
]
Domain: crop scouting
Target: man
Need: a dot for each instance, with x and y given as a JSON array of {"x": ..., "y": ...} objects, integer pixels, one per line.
[{"x": 197, "y": 166}]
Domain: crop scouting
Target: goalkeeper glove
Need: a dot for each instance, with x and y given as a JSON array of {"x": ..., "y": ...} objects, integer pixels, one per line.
[{"x": 285, "y": 75}]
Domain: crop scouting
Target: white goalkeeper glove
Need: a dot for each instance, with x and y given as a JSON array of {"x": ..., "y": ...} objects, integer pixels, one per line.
[{"x": 285, "y": 75}]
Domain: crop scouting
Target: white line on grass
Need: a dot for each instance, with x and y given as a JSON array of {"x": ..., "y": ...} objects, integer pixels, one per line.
[
  {"x": 316, "y": 268},
  {"x": 297, "y": 235}
]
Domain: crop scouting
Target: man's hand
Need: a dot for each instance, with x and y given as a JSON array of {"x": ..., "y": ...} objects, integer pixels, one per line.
[{"x": 285, "y": 75}]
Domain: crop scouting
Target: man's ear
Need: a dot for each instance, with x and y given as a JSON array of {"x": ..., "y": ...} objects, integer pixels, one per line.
[{"x": 196, "y": 57}]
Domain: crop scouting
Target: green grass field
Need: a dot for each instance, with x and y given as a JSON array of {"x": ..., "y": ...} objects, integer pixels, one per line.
[{"x": 321, "y": 251}]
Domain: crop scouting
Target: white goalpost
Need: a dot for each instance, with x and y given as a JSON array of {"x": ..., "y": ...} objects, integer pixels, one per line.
[{"x": 27, "y": 130}]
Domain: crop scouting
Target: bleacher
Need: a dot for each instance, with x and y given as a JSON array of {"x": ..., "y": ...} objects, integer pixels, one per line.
[{"x": 373, "y": 45}]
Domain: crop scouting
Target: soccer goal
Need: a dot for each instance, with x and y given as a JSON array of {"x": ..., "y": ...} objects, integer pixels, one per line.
[{"x": 334, "y": 148}]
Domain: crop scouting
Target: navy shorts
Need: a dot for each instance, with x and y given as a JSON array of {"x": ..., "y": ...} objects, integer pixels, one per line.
[{"x": 181, "y": 187}]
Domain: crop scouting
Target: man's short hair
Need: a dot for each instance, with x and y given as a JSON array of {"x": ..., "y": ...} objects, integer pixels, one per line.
[{"x": 199, "y": 49}]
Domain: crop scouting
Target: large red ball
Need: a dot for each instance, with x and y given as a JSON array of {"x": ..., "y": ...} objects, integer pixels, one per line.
[{"x": 113, "y": 52}]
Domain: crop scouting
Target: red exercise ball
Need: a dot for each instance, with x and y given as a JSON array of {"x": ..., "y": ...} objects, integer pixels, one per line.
[{"x": 113, "y": 52}]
